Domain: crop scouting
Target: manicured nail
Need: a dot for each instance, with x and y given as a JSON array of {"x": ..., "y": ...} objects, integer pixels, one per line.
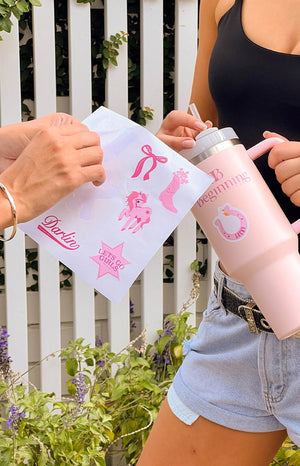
[
  {"x": 266, "y": 133},
  {"x": 209, "y": 124},
  {"x": 188, "y": 143},
  {"x": 200, "y": 125}
]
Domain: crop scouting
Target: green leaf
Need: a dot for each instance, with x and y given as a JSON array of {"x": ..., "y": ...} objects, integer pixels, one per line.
[
  {"x": 5, "y": 457},
  {"x": 9, "y": 2},
  {"x": 89, "y": 362},
  {"x": 3, "y": 387},
  {"x": 113, "y": 61},
  {"x": 5, "y": 24},
  {"x": 35, "y": 2},
  {"x": 163, "y": 342},
  {"x": 71, "y": 366},
  {"x": 43, "y": 459},
  {"x": 106, "y": 53},
  {"x": 105, "y": 63},
  {"x": 22, "y": 6},
  {"x": 71, "y": 387}
]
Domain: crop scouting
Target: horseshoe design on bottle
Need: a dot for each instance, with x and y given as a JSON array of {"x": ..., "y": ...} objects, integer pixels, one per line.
[{"x": 231, "y": 223}]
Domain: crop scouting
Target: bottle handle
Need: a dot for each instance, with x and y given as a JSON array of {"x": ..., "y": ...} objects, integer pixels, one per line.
[
  {"x": 260, "y": 149},
  {"x": 263, "y": 147}
]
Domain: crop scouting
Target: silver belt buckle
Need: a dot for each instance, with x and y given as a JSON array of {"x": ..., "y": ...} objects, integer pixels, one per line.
[{"x": 250, "y": 317}]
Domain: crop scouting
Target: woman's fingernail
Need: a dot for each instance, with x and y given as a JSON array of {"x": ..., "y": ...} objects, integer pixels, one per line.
[
  {"x": 266, "y": 133},
  {"x": 188, "y": 143},
  {"x": 209, "y": 123},
  {"x": 200, "y": 125}
]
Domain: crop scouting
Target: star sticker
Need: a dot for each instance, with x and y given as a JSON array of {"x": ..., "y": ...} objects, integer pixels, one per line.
[{"x": 110, "y": 260}]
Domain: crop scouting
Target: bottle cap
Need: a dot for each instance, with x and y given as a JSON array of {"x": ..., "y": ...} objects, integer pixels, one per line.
[{"x": 207, "y": 139}]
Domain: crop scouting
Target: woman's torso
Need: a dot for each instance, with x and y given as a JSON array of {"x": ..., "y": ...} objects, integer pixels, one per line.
[{"x": 254, "y": 75}]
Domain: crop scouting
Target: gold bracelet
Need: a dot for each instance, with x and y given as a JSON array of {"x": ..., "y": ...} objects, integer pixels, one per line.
[{"x": 14, "y": 212}]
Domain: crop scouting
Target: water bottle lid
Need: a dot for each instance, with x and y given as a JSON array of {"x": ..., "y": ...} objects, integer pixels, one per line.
[{"x": 207, "y": 139}]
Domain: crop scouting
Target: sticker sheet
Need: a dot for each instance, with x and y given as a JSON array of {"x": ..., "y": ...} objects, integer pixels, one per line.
[{"x": 108, "y": 234}]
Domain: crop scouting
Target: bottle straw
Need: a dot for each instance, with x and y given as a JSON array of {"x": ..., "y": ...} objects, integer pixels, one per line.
[{"x": 194, "y": 111}]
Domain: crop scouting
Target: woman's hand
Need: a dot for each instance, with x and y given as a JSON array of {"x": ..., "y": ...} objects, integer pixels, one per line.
[
  {"x": 55, "y": 162},
  {"x": 15, "y": 137},
  {"x": 179, "y": 129},
  {"x": 285, "y": 160}
]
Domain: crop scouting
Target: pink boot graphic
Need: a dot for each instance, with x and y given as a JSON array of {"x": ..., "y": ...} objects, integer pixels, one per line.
[{"x": 166, "y": 196}]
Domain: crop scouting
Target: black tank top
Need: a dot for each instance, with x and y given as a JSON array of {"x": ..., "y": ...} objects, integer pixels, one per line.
[{"x": 255, "y": 89}]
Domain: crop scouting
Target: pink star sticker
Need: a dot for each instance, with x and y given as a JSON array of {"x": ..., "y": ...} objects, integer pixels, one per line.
[{"x": 110, "y": 260}]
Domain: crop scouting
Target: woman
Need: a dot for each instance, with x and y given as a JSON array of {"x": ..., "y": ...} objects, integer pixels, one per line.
[
  {"x": 237, "y": 394},
  {"x": 42, "y": 161}
]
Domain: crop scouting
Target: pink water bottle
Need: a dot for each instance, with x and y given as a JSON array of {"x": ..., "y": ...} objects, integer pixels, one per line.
[{"x": 245, "y": 225}]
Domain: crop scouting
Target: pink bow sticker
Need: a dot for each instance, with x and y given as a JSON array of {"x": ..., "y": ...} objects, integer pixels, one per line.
[{"x": 149, "y": 155}]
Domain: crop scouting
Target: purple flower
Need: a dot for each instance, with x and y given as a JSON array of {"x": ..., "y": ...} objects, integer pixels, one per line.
[
  {"x": 131, "y": 307},
  {"x": 14, "y": 418},
  {"x": 5, "y": 360},
  {"x": 98, "y": 342},
  {"x": 81, "y": 388}
]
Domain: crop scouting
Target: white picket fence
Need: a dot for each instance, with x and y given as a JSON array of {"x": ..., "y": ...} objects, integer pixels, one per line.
[{"x": 39, "y": 323}]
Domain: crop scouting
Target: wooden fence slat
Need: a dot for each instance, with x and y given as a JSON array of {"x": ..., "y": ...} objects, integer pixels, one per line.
[
  {"x": 79, "y": 26},
  {"x": 116, "y": 92},
  {"x": 184, "y": 255},
  {"x": 49, "y": 291},
  {"x": 10, "y": 88},
  {"x": 186, "y": 23},
  {"x": 152, "y": 87},
  {"x": 119, "y": 324},
  {"x": 152, "y": 58},
  {"x": 115, "y": 20},
  {"x": 152, "y": 296},
  {"x": 84, "y": 311},
  {"x": 50, "y": 341},
  {"x": 44, "y": 63},
  {"x": 81, "y": 107},
  {"x": 16, "y": 305}
]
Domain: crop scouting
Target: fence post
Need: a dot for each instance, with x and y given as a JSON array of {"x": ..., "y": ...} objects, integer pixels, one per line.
[
  {"x": 186, "y": 25},
  {"x": 152, "y": 89},
  {"x": 116, "y": 99},
  {"x": 116, "y": 91},
  {"x": 81, "y": 106},
  {"x": 45, "y": 103},
  {"x": 15, "y": 277}
]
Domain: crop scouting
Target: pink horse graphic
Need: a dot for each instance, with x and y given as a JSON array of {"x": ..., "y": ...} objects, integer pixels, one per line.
[{"x": 137, "y": 213}]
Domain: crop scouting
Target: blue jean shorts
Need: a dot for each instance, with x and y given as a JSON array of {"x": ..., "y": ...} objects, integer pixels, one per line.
[{"x": 235, "y": 378}]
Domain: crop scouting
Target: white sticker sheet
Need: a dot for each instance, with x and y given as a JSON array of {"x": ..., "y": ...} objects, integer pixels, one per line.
[{"x": 108, "y": 234}]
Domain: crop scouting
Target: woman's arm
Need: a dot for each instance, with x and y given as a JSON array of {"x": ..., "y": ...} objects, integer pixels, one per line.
[
  {"x": 285, "y": 160},
  {"x": 200, "y": 94},
  {"x": 56, "y": 161},
  {"x": 15, "y": 137},
  {"x": 179, "y": 129}
]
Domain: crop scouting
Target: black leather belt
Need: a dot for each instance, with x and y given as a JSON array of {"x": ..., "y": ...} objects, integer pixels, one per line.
[{"x": 246, "y": 309}]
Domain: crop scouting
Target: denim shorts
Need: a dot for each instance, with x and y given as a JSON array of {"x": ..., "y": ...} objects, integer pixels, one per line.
[{"x": 235, "y": 378}]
